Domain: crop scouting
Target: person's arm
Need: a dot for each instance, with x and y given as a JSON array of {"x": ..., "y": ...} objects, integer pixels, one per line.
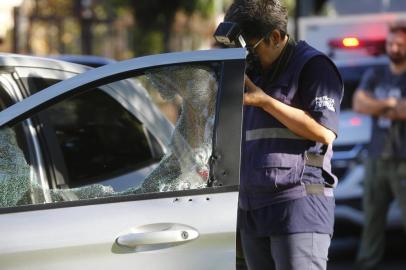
[
  {"x": 320, "y": 93},
  {"x": 400, "y": 109},
  {"x": 297, "y": 120},
  {"x": 364, "y": 103},
  {"x": 364, "y": 100},
  {"x": 398, "y": 112}
]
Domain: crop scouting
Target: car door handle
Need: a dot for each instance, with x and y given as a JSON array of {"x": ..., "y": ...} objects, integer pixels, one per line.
[{"x": 175, "y": 237}]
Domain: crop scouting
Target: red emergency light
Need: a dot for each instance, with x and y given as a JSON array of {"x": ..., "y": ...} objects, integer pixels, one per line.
[
  {"x": 372, "y": 46},
  {"x": 350, "y": 42}
]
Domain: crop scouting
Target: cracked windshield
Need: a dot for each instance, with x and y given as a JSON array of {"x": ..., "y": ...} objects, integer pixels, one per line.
[{"x": 152, "y": 133}]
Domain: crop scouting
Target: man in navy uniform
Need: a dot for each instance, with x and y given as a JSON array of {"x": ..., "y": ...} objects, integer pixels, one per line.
[
  {"x": 291, "y": 113},
  {"x": 382, "y": 94}
]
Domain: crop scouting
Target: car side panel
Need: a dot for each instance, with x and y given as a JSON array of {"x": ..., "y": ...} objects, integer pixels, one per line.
[{"x": 83, "y": 237}]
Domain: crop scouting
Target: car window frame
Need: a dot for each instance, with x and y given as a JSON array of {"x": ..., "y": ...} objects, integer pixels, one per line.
[{"x": 16, "y": 91}]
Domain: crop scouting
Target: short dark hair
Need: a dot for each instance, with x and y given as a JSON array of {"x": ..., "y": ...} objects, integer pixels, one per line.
[
  {"x": 397, "y": 26},
  {"x": 258, "y": 18}
]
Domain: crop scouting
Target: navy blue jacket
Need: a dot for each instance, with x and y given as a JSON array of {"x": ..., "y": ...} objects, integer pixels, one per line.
[{"x": 273, "y": 157}]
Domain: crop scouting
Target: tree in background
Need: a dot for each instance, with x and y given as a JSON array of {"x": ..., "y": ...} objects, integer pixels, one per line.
[
  {"x": 153, "y": 20},
  {"x": 62, "y": 26},
  {"x": 119, "y": 28}
]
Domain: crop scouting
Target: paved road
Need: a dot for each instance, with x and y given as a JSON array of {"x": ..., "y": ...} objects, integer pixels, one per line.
[
  {"x": 342, "y": 256},
  {"x": 389, "y": 263},
  {"x": 348, "y": 264},
  {"x": 342, "y": 253}
]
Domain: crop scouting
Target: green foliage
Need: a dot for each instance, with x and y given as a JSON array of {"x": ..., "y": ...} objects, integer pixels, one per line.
[
  {"x": 151, "y": 43},
  {"x": 59, "y": 8},
  {"x": 154, "y": 18},
  {"x": 290, "y": 4},
  {"x": 206, "y": 7}
]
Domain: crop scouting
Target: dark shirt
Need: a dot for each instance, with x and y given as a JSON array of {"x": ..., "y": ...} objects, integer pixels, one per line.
[
  {"x": 381, "y": 83},
  {"x": 320, "y": 93}
]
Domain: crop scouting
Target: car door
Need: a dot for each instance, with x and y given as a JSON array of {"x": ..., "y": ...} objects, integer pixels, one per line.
[{"x": 182, "y": 216}]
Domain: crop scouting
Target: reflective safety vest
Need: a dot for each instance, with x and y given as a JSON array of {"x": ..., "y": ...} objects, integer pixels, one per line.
[{"x": 273, "y": 157}]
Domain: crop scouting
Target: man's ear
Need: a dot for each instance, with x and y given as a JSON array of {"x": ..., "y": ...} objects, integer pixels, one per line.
[{"x": 275, "y": 38}]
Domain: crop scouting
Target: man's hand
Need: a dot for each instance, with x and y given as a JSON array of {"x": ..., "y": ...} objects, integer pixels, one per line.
[
  {"x": 391, "y": 102},
  {"x": 254, "y": 96},
  {"x": 401, "y": 109},
  {"x": 398, "y": 112}
]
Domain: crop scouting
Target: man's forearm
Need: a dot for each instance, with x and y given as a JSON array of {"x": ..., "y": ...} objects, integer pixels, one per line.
[
  {"x": 398, "y": 112},
  {"x": 298, "y": 121},
  {"x": 363, "y": 103}
]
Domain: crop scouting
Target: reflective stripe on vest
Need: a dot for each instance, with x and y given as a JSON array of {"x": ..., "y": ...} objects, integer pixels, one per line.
[
  {"x": 314, "y": 160},
  {"x": 284, "y": 133},
  {"x": 318, "y": 189},
  {"x": 271, "y": 133}
]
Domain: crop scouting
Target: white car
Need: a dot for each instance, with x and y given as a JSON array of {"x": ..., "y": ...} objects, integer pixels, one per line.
[{"x": 93, "y": 176}]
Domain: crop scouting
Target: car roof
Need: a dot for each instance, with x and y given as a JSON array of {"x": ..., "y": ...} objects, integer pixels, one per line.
[
  {"x": 17, "y": 60},
  {"x": 87, "y": 60}
]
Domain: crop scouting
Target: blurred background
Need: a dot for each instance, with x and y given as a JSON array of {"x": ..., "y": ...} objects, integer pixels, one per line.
[
  {"x": 118, "y": 29},
  {"x": 121, "y": 29}
]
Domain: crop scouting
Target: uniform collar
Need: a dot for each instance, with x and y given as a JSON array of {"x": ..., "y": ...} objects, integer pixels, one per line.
[{"x": 280, "y": 64}]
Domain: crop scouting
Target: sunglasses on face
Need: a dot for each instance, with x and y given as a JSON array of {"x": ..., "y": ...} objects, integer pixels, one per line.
[{"x": 251, "y": 49}]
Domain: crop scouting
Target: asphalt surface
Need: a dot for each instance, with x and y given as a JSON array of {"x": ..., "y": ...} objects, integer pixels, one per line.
[{"x": 343, "y": 251}]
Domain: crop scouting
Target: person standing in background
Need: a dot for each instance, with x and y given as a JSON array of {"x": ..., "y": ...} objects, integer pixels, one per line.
[{"x": 382, "y": 94}]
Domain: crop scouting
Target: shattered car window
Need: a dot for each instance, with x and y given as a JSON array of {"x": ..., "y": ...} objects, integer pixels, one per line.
[
  {"x": 19, "y": 184},
  {"x": 186, "y": 165},
  {"x": 186, "y": 95},
  {"x": 15, "y": 174}
]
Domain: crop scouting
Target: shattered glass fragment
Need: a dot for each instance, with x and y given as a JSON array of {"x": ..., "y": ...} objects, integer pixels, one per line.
[
  {"x": 186, "y": 165},
  {"x": 15, "y": 186}
]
